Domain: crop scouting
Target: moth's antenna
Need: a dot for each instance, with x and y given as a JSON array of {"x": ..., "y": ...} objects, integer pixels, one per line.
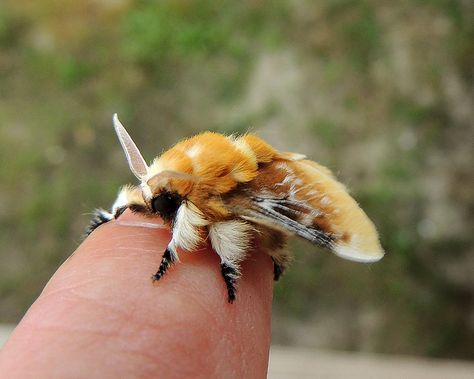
[{"x": 135, "y": 160}]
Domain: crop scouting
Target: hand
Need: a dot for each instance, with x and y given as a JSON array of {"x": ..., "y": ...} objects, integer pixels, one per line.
[{"x": 100, "y": 316}]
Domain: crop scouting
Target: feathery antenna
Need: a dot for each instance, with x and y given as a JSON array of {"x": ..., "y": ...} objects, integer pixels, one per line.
[{"x": 135, "y": 160}]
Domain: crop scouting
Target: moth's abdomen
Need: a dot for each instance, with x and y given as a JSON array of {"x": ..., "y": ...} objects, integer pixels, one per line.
[{"x": 303, "y": 198}]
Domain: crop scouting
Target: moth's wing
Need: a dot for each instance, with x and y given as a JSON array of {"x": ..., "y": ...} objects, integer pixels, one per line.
[{"x": 303, "y": 198}]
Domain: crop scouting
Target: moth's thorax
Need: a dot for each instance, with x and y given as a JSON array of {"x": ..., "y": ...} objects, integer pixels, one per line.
[
  {"x": 213, "y": 159},
  {"x": 203, "y": 168}
]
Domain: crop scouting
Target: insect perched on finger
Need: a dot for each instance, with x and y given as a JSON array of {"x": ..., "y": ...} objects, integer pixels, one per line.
[{"x": 233, "y": 190}]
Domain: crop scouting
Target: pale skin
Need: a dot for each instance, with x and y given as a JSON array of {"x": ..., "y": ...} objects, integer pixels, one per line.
[{"x": 100, "y": 315}]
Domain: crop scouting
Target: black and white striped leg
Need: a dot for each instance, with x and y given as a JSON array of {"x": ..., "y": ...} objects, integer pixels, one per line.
[
  {"x": 169, "y": 257},
  {"x": 231, "y": 241},
  {"x": 101, "y": 216},
  {"x": 230, "y": 275}
]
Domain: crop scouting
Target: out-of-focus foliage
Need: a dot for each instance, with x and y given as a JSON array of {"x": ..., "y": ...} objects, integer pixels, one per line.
[{"x": 379, "y": 91}]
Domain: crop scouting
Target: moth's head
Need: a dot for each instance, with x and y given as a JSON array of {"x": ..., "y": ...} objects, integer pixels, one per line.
[{"x": 162, "y": 191}]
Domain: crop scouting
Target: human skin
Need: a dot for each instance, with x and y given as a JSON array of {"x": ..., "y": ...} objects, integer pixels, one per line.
[{"x": 100, "y": 315}]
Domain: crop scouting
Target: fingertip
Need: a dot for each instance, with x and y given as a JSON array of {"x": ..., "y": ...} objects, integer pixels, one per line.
[
  {"x": 105, "y": 289},
  {"x": 192, "y": 295}
]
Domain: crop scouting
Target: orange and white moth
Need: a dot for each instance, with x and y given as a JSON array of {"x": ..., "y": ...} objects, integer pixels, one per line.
[{"x": 233, "y": 190}]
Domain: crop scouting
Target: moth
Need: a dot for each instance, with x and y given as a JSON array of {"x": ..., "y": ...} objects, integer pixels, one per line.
[{"x": 235, "y": 190}]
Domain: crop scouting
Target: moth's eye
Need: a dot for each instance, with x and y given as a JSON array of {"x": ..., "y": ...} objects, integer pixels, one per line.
[{"x": 166, "y": 204}]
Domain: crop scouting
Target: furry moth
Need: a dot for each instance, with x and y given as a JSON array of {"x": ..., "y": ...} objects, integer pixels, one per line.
[{"x": 232, "y": 190}]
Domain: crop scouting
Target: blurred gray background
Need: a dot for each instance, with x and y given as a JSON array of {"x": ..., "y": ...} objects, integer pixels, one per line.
[{"x": 379, "y": 91}]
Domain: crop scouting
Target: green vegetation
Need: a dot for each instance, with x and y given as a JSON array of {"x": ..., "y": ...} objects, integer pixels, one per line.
[{"x": 381, "y": 92}]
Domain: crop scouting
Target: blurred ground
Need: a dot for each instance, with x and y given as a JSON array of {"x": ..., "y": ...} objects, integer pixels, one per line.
[
  {"x": 294, "y": 362},
  {"x": 380, "y": 91}
]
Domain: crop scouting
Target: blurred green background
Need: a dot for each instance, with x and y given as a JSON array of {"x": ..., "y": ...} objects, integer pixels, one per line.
[{"x": 379, "y": 91}]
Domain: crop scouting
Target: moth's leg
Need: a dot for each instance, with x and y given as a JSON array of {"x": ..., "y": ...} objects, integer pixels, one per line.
[
  {"x": 128, "y": 196},
  {"x": 186, "y": 235},
  {"x": 230, "y": 275},
  {"x": 231, "y": 241},
  {"x": 169, "y": 257},
  {"x": 274, "y": 242},
  {"x": 101, "y": 216},
  {"x": 280, "y": 263},
  {"x": 281, "y": 260},
  {"x": 277, "y": 270}
]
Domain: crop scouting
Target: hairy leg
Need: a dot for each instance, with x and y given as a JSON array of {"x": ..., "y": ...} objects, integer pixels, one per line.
[
  {"x": 278, "y": 270},
  {"x": 281, "y": 261},
  {"x": 231, "y": 241},
  {"x": 101, "y": 216},
  {"x": 169, "y": 257},
  {"x": 128, "y": 197},
  {"x": 230, "y": 275}
]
